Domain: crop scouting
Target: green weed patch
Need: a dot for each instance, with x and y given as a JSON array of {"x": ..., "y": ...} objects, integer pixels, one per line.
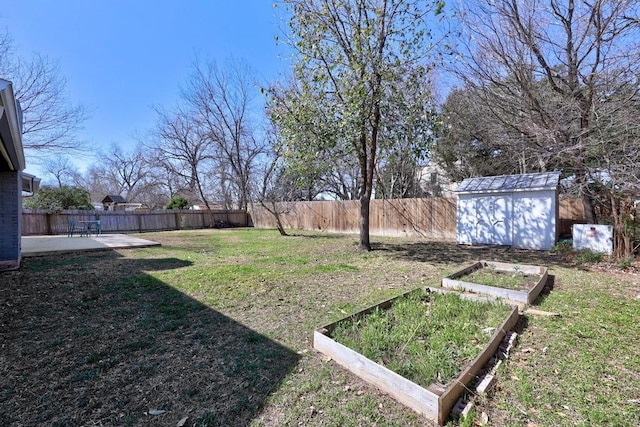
[
  {"x": 426, "y": 338},
  {"x": 502, "y": 279}
]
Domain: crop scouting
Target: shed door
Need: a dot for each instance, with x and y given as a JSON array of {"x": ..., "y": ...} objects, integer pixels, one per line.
[
  {"x": 493, "y": 214},
  {"x": 533, "y": 222}
]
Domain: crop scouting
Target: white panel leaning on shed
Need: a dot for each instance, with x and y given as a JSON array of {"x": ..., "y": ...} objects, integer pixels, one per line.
[{"x": 513, "y": 210}]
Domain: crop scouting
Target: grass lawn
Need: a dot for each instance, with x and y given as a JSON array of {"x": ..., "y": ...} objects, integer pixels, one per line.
[{"x": 216, "y": 326}]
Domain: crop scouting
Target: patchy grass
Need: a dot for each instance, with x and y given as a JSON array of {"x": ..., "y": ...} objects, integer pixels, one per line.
[
  {"x": 426, "y": 338},
  {"x": 216, "y": 325}
]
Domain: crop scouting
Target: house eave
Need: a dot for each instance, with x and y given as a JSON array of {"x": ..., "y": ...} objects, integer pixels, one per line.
[{"x": 11, "y": 148}]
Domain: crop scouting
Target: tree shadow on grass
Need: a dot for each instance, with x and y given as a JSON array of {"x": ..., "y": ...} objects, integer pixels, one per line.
[
  {"x": 450, "y": 253},
  {"x": 91, "y": 339},
  {"x": 317, "y": 235}
]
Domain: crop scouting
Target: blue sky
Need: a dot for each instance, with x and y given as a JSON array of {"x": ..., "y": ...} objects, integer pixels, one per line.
[{"x": 122, "y": 57}]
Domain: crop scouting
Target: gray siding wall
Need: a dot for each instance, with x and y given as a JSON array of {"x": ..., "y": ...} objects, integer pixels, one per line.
[{"x": 10, "y": 219}]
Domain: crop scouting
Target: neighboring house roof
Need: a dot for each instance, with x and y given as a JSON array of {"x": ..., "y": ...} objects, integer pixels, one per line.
[
  {"x": 113, "y": 199},
  {"x": 510, "y": 183}
]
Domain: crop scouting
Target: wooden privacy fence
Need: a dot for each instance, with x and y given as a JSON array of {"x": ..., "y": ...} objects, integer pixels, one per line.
[
  {"x": 430, "y": 218},
  {"x": 39, "y": 222},
  {"x": 571, "y": 211}
]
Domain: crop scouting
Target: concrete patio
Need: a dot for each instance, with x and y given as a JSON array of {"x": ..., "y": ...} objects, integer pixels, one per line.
[{"x": 47, "y": 245}]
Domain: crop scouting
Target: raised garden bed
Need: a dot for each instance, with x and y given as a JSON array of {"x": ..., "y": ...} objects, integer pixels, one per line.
[
  {"x": 515, "y": 282},
  {"x": 400, "y": 364}
]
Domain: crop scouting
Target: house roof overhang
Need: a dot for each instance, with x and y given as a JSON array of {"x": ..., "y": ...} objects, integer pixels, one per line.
[
  {"x": 11, "y": 150},
  {"x": 30, "y": 184},
  {"x": 110, "y": 198}
]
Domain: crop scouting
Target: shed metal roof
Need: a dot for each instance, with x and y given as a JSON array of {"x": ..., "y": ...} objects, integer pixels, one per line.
[{"x": 510, "y": 183}]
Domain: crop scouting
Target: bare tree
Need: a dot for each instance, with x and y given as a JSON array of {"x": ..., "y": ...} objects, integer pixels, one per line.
[
  {"x": 542, "y": 68},
  {"x": 94, "y": 181},
  {"x": 222, "y": 99},
  {"x": 181, "y": 149},
  {"x": 125, "y": 173},
  {"x": 6, "y": 51},
  {"x": 129, "y": 171},
  {"x": 63, "y": 171},
  {"x": 342, "y": 179},
  {"x": 51, "y": 120},
  {"x": 274, "y": 190},
  {"x": 167, "y": 184}
]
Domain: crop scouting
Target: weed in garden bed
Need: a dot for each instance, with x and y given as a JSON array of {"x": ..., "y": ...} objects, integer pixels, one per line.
[
  {"x": 490, "y": 276},
  {"x": 426, "y": 338}
]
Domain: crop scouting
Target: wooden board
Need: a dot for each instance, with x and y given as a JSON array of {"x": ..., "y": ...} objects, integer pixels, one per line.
[
  {"x": 404, "y": 391},
  {"x": 469, "y": 269},
  {"x": 509, "y": 294},
  {"x": 524, "y": 296},
  {"x": 457, "y": 386},
  {"x": 535, "y": 291}
]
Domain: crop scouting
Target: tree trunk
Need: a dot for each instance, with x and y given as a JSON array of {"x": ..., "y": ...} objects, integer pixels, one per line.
[
  {"x": 369, "y": 169},
  {"x": 622, "y": 235},
  {"x": 276, "y": 214},
  {"x": 589, "y": 211},
  {"x": 587, "y": 202},
  {"x": 365, "y": 243},
  {"x": 272, "y": 207}
]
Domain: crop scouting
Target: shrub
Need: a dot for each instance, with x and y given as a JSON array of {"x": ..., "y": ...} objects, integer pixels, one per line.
[
  {"x": 587, "y": 256},
  {"x": 178, "y": 203},
  {"x": 59, "y": 198},
  {"x": 625, "y": 263},
  {"x": 563, "y": 247}
]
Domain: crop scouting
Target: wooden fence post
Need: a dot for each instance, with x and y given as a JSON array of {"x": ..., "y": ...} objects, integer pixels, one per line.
[{"x": 48, "y": 218}]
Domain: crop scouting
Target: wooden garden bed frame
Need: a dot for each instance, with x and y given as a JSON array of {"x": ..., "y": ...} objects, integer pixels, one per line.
[
  {"x": 525, "y": 296},
  {"x": 434, "y": 402}
]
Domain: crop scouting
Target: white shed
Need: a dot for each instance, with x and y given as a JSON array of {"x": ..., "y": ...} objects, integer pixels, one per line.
[{"x": 514, "y": 210}]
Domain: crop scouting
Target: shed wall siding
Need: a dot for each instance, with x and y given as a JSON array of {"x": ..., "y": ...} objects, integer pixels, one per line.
[
  {"x": 534, "y": 216},
  {"x": 465, "y": 222},
  {"x": 524, "y": 220},
  {"x": 494, "y": 219}
]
